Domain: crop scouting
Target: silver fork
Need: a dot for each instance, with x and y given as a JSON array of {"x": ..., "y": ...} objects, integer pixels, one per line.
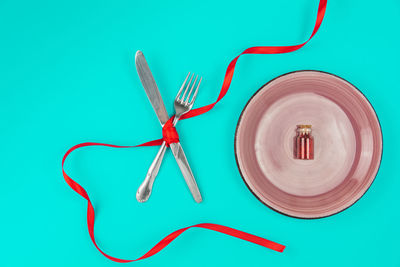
[{"x": 182, "y": 105}]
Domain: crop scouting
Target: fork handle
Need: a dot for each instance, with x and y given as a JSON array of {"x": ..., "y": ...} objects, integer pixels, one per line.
[
  {"x": 145, "y": 188},
  {"x": 144, "y": 191}
]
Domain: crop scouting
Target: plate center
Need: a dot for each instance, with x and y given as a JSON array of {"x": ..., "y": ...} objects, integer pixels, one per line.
[{"x": 334, "y": 144}]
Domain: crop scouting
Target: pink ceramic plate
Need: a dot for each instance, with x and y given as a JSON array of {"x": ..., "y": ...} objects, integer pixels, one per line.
[{"x": 347, "y": 144}]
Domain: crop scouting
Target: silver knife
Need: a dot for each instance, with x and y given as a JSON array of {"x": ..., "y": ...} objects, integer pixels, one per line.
[{"x": 156, "y": 101}]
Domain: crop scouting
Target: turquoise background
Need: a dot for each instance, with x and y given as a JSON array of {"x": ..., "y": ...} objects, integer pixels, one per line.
[{"x": 67, "y": 75}]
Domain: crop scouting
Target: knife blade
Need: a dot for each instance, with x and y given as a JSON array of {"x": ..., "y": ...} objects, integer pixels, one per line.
[
  {"x": 150, "y": 87},
  {"x": 156, "y": 101}
]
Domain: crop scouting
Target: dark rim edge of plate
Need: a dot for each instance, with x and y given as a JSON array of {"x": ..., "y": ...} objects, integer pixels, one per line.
[{"x": 237, "y": 160}]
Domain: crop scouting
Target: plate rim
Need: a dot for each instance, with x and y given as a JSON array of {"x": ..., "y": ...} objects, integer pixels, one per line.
[{"x": 237, "y": 160}]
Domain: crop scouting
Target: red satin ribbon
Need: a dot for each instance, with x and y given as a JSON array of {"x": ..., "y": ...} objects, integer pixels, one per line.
[{"x": 170, "y": 136}]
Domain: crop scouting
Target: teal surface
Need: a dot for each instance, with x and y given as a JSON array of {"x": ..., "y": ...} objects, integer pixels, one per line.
[{"x": 67, "y": 75}]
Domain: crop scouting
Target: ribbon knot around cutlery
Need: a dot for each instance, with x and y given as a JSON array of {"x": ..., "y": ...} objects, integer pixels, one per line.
[{"x": 169, "y": 133}]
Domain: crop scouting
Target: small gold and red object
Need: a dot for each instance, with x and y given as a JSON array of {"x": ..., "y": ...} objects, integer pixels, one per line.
[{"x": 303, "y": 143}]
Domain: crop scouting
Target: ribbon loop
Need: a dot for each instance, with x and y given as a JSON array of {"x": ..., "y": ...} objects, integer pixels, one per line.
[{"x": 170, "y": 135}]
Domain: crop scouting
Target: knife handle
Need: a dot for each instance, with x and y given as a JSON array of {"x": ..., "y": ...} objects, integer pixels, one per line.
[
  {"x": 186, "y": 171},
  {"x": 145, "y": 188}
]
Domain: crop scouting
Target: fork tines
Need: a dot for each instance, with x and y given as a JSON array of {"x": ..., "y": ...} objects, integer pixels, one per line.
[{"x": 180, "y": 98}]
